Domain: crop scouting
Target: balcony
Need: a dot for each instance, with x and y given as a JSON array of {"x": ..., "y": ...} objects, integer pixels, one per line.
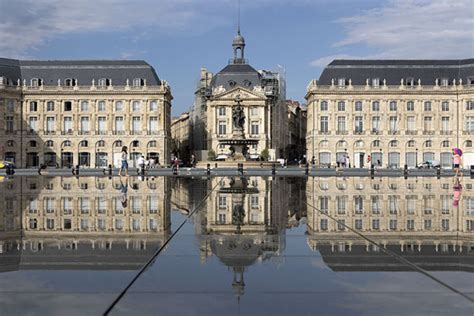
[
  {"x": 152, "y": 132},
  {"x": 324, "y": 133},
  {"x": 411, "y": 132},
  {"x": 49, "y": 133},
  {"x": 118, "y": 132},
  {"x": 342, "y": 132},
  {"x": 392, "y": 132},
  {"x": 84, "y": 132},
  {"x": 375, "y": 132},
  {"x": 428, "y": 132},
  {"x": 136, "y": 132},
  {"x": 32, "y": 132},
  {"x": 10, "y": 132},
  {"x": 68, "y": 132},
  {"x": 101, "y": 132},
  {"x": 468, "y": 132},
  {"x": 446, "y": 133},
  {"x": 359, "y": 132}
]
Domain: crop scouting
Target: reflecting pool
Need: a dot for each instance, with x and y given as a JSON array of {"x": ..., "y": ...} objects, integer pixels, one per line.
[{"x": 236, "y": 246}]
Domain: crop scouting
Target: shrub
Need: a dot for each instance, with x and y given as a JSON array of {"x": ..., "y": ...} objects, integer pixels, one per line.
[
  {"x": 211, "y": 155},
  {"x": 264, "y": 154}
]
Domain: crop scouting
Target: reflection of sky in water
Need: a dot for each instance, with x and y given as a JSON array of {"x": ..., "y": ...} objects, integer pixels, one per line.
[{"x": 255, "y": 246}]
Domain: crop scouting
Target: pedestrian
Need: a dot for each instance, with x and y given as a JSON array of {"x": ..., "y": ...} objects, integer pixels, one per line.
[
  {"x": 124, "y": 161},
  {"x": 369, "y": 160},
  {"x": 193, "y": 161},
  {"x": 313, "y": 161},
  {"x": 141, "y": 164},
  {"x": 348, "y": 162},
  {"x": 456, "y": 163}
]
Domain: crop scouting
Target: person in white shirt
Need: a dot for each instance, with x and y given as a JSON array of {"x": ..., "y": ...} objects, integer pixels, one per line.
[{"x": 141, "y": 163}]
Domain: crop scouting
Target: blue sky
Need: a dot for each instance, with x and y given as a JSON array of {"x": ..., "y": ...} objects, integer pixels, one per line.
[{"x": 178, "y": 37}]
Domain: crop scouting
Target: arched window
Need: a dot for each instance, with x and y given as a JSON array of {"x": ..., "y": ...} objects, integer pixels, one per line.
[
  {"x": 411, "y": 143},
  {"x": 468, "y": 143},
  {"x": 393, "y": 143},
  {"x": 118, "y": 143},
  {"x": 49, "y": 143},
  {"x": 152, "y": 143},
  {"x": 32, "y": 143},
  {"x": 69, "y": 82},
  {"x": 35, "y": 82},
  {"x": 10, "y": 143},
  {"x": 101, "y": 143},
  {"x": 428, "y": 144},
  {"x": 359, "y": 144},
  {"x": 341, "y": 144},
  {"x": 135, "y": 143},
  {"x": 84, "y": 143},
  {"x": 376, "y": 143},
  {"x": 232, "y": 83},
  {"x": 445, "y": 143},
  {"x": 67, "y": 143}
]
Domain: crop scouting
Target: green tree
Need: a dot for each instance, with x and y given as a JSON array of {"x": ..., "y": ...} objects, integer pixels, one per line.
[
  {"x": 264, "y": 154},
  {"x": 211, "y": 155}
]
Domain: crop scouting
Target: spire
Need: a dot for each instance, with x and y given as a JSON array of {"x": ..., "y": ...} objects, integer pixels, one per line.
[{"x": 238, "y": 44}]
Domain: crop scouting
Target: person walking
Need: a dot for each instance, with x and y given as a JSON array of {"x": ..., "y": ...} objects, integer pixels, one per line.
[
  {"x": 193, "y": 161},
  {"x": 348, "y": 162},
  {"x": 124, "y": 162},
  {"x": 456, "y": 163},
  {"x": 141, "y": 164}
]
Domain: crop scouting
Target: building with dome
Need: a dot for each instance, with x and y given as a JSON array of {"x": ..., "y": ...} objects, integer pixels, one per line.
[{"x": 240, "y": 113}]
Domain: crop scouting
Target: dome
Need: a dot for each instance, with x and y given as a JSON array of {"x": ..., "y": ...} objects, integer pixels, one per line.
[{"x": 238, "y": 40}]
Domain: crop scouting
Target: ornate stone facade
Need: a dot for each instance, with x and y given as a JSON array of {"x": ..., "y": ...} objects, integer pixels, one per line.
[
  {"x": 399, "y": 112},
  {"x": 65, "y": 113}
]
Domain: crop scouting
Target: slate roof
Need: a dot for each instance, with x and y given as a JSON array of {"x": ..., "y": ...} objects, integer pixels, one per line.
[
  {"x": 81, "y": 70},
  {"x": 394, "y": 70},
  {"x": 243, "y": 75}
]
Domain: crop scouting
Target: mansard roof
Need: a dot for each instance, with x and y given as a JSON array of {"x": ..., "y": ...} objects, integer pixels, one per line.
[
  {"x": 233, "y": 75},
  {"x": 81, "y": 70},
  {"x": 394, "y": 70}
]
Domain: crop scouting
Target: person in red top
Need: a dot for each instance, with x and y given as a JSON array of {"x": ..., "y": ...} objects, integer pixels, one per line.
[{"x": 456, "y": 162}]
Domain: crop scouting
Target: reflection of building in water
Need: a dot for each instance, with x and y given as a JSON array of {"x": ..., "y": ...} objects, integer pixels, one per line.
[
  {"x": 244, "y": 222},
  {"x": 414, "y": 218},
  {"x": 69, "y": 223}
]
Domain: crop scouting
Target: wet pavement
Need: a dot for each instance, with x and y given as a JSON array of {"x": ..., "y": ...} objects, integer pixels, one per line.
[{"x": 236, "y": 245}]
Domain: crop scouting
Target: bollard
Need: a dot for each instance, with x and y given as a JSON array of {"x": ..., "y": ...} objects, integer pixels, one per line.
[
  {"x": 372, "y": 170},
  {"x": 76, "y": 172},
  {"x": 306, "y": 171},
  {"x": 175, "y": 170},
  {"x": 110, "y": 169},
  {"x": 438, "y": 173},
  {"x": 215, "y": 166},
  {"x": 273, "y": 168},
  {"x": 142, "y": 170},
  {"x": 208, "y": 169},
  {"x": 405, "y": 171}
]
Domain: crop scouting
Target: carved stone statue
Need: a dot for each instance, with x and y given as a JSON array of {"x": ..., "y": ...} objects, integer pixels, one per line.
[{"x": 238, "y": 116}]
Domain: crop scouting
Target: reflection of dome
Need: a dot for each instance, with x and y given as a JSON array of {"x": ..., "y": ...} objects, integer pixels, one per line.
[{"x": 236, "y": 251}]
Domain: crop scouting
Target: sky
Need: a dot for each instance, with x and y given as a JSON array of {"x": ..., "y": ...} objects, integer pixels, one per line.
[{"x": 178, "y": 37}]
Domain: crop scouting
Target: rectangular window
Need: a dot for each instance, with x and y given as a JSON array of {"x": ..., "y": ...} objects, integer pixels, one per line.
[
  {"x": 324, "y": 105},
  {"x": 50, "y": 124},
  {"x": 33, "y": 106},
  {"x": 221, "y": 111},
  {"x": 324, "y": 124},
  {"x": 376, "y": 224},
  {"x": 153, "y": 105},
  {"x": 392, "y": 204},
  {"x": 341, "y": 224},
  {"x": 10, "y": 105},
  {"x": 393, "y": 121},
  {"x": 85, "y": 128},
  {"x": 136, "y": 125},
  {"x": 254, "y": 201},
  {"x": 411, "y": 204},
  {"x": 101, "y": 106},
  {"x": 445, "y": 106},
  {"x": 341, "y": 202},
  {"x": 428, "y": 106},
  {"x": 9, "y": 124},
  {"x": 411, "y": 123},
  {"x": 469, "y": 105},
  {"x": 445, "y": 224},
  {"x": 101, "y": 224},
  {"x": 376, "y": 106},
  {"x": 102, "y": 125},
  {"x": 358, "y": 106},
  {"x": 341, "y": 82},
  {"x": 222, "y": 128},
  {"x": 393, "y": 106},
  {"x": 254, "y": 129},
  {"x": 375, "y": 82},
  {"x": 324, "y": 224},
  {"x": 359, "y": 124},
  {"x": 50, "y": 223},
  {"x": 222, "y": 201},
  {"x": 119, "y": 106},
  {"x": 358, "y": 224},
  {"x": 341, "y": 124},
  {"x": 324, "y": 204},
  {"x": 375, "y": 204},
  {"x": 393, "y": 224},
  {"x": 136, "y": 224},
  {"x": 119, "y": 125},
  {"x": 410, "y": 106},
  {"x": 470, "y": 123},
  {"x": 428, "y": 123},
  {"x": 50, "y": 106},
  {"x": 101, "y": 205},
  {"x": 84, "y": 106},
  {"x": 33, "y": 123},
  {"x": 358, "y": 204},
  {"x": 427, "y": 224},
  {"x": 67, "y": 106},
  {"x": 376, "y": 124},
  {"x": 410, "y": 224},
  {"x": 445, "y": 124},
  {"x": 153, "y": 124},
  {"x": 136, "y": 105},
  {"x": 253, "y": 111},
  {"x": 341, "y": 106}
]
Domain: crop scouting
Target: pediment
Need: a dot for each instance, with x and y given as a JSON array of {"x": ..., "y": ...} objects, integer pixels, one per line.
[{"x": 242, "y": 92}]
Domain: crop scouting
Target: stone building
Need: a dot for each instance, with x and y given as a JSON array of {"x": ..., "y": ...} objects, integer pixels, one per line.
[
  {"x": 257, "y": 97},
  {"x": 180, "y": 136},
  {"x": 401, "y": 112},
  {"x": 64, "y": 113},
  {"x": 297, "y": 116},
  {"x": 414, "y": 218},
  {"x": 51, "y": 222}
]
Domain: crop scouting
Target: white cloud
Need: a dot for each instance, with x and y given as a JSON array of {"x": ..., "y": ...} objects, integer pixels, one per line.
[
  {"x": 323, "y": 61},
  {"x": 414, "y": 29}
]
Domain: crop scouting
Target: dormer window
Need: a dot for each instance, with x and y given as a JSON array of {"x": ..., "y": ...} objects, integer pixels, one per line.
[
  {"x": 444, "y": 82},
  {"x": 104, "y": 82},
  {"x": 70, "y": 82},
  {"x": 138, "y": 82},
  {"x": 470, "y": 81},
  {"x": 232, "y": 83},
  {"x": 35, "y": 82},
  {"x": 375, "y": 82},
  {"x": 247, "y": 83},
  {"x": 411, "y": 82},
  {"x": 341, "y": 82}
]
